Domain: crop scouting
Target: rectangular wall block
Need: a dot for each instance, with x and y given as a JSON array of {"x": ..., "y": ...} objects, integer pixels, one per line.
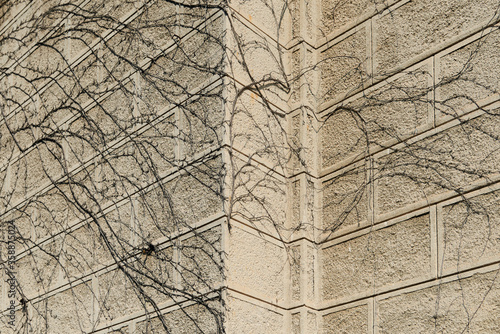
[{"x": 395, "y": 254}]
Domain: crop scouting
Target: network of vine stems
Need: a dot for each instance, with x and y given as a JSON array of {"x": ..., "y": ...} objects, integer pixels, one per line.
[{"x": 129, "y": 136}]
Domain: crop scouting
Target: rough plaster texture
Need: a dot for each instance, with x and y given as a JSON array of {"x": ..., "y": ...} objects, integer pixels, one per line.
[
  {"x": 353, "y": 320},
  {"x": 344, "y": 66},
  {"x": 345, "y": 199},
  {"x": 178, "y": 320},
  {"x": 252, "y": 318},
  {"x": 470, "y": 232},
  {"x": 418, "y": 26},
  {"x": 465, "y": 305},
  {"x": 396, "y": 109},
  {"x": 480, "y": 72},
  {"x": 360, "y": 266},
  {"x": 427, "y": 44},
  {"x": 248, "y": 252},
  {"x": 472, "y": 155},
  {"x": 353, "y": 210}
]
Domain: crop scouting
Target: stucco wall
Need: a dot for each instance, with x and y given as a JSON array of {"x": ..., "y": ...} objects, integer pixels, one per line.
[
  {"x": 118, "y": 218},
  {"x": 409, "y": 167},
  {"x": 358, "y": 195}
]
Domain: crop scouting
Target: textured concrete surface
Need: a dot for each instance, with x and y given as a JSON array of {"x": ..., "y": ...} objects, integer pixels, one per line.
[
  {"x": 352, "y": 320},
  {"x": 354, "y": 143},
  {"x": 345, "y": 199},
  {"x": 344, "y": 66},
  {"x": 470, "y": 232},
  {"x": 360, "y": 266},
  {"x": 464, "y": 305}
]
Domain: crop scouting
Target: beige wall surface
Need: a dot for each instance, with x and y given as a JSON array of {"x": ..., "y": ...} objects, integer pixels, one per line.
[{"x": 261, "y": 166}]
